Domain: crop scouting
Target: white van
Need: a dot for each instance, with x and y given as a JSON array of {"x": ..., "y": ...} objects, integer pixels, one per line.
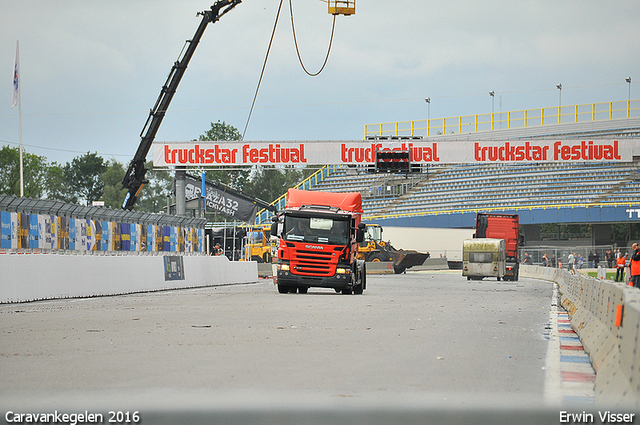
[{"x": 483, "y": 257}]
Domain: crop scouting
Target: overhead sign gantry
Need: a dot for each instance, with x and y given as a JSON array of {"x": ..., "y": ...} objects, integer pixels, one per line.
[{"x": 405, "y": 150}]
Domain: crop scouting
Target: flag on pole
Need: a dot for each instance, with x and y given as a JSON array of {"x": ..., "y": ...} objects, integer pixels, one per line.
[{"x": 16, "y": 73}]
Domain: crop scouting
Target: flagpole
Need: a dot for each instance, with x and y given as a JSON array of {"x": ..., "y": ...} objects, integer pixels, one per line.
[
  {"x": 20, "y": 122},
  {"x": 18, "y": 100}
]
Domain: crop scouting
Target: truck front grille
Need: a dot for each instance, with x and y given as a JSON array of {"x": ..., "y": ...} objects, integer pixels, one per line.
[{"x": 314, "y": 263}]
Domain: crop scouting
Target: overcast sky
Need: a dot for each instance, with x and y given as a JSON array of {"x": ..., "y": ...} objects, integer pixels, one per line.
[{"x": 91, "y": 70}]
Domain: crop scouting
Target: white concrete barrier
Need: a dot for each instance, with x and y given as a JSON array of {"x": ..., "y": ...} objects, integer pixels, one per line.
[
  {"x": 30, "y": 277},
  {"x": 606, "y": 316}
]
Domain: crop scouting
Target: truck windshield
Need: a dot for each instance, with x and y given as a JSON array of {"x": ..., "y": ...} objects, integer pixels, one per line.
[{"x": 315, "y": 229}]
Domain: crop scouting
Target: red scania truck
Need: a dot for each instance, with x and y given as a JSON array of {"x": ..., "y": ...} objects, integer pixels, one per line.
[
  {"x": 502, "y": 226},
  {"x": 319, "y": 233}
]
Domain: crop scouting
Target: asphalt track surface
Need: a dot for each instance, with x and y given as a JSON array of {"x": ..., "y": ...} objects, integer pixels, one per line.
[{"x": 422, "y": 338}]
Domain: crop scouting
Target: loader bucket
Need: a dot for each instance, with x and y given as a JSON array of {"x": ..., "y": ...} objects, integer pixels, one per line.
[{"x": 403, "y": 259}]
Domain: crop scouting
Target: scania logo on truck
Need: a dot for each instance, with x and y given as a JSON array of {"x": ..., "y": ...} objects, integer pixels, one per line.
[{"x": 314, "y": 247}]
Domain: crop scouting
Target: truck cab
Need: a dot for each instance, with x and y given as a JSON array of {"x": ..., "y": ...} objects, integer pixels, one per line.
[
  {"x": 502, "y": 226},
  {"x": 319, "y": 235}
]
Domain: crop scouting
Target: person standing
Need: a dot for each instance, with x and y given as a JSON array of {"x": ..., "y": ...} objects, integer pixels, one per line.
[
  {"x": 608, "y": 257},
  {"x": 570, "y": 263},
  {"x": 621, "y": 263},
  {"x": 635, "y": 266}
]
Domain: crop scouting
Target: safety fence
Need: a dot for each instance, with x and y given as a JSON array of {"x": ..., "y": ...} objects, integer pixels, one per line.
[
  {"x": 606, "y": 316},
  {"x": 48, "y": 226},
  {"x": 508, "y": 120}
]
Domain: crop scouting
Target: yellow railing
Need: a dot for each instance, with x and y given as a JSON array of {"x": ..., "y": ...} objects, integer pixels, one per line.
[
  {"x": 507, "y": 120},
  {"x": 492, "y": 209}
]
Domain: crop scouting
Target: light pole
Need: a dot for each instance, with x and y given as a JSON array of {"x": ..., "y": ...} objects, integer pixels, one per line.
[
  {"x": 628, "y": 80},
  {"x": 492, "y": 94},
  {"x": 428, "y": 100},
  {"x": 559, "y": 87}
]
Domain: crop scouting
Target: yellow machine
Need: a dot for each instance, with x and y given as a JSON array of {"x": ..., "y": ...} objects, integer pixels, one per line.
[
  {"x": 342, "y": 7},
  {"x": 374, "y": 249},
  {"x": 258, "y": 244}
]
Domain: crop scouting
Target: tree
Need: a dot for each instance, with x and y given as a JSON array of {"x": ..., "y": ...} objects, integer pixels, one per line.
[
  {"x": 56, "y": 185},
  {"x": 83, "y": 175},
  {"x": 113, "y": 193},
  {"x": 153, "y": 197},
  {"x": 34, "y": 172},
  {"x": 269, "y": 183}
]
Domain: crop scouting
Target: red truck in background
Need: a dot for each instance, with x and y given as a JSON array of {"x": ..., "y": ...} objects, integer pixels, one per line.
[
  {"x": 319, "y": 233},
  {"x": 502, "y": 226}
]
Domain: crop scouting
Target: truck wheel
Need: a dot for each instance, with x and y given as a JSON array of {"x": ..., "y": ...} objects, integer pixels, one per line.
[
  {"x": 303, "y": 289},
  {"x": 293, "y": 289},
  {"x": 364, "y": 276},
  {"x": 361, "y": 282},
  {"x": 347, "y": 291},
  {"x": 283, "y": 289}
]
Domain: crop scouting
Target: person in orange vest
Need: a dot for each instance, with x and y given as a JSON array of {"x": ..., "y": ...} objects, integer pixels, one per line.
[
  {"x": 635, "y": 266},
  {"x": 621, "y": 263}
]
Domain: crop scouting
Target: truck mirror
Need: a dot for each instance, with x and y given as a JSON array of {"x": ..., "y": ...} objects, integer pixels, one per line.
[
  {"x": 359, "y": 235},
  {"x": 274, "y": 226}
]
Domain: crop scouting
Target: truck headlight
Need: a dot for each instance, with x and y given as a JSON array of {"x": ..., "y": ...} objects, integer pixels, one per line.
[
  {"x": 283, "y": 267},
  {"x": 341, "y": 270}
]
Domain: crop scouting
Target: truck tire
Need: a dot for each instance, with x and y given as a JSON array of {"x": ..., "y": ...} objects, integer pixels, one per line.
[
  {"x": 303, "y": 289},
  {"x": 358, "y": 289},
  {"x": 282, "y": 289}
]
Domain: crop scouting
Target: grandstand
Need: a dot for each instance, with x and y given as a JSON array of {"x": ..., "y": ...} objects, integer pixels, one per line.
[
  {"x": 448, "y": 196},
  {"x": 458, "y": 187}
]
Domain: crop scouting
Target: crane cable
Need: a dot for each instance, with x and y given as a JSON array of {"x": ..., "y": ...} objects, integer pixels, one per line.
[
  {"x": 264, "y": 65},
  {"x": 295, "y": 40}
]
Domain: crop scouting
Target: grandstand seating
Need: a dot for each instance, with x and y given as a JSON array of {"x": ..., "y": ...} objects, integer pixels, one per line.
[{"x": 485, "y": 186}]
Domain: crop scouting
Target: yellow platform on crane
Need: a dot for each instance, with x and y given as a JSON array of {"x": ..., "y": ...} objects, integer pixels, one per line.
[{"x": 342, "y": 7}]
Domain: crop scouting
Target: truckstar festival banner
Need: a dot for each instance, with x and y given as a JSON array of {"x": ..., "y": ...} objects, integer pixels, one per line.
[{"x": 215, "y": 154}]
